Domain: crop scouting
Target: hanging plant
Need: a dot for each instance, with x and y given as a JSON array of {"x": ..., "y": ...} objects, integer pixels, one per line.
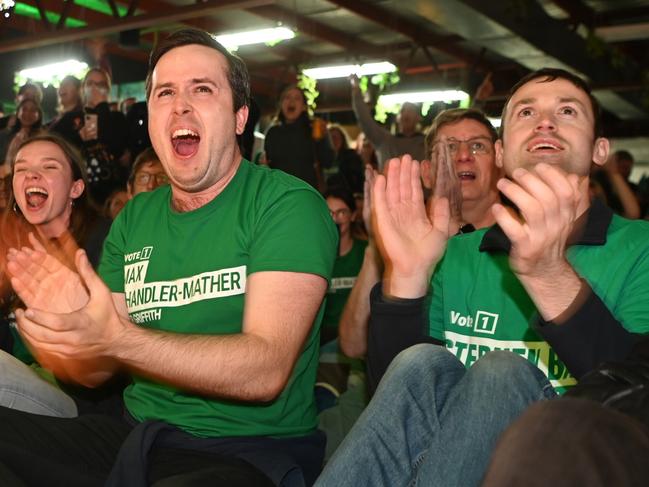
[
  {"x": 382, "y": 82},
  {"x": 309, "y": 88}
]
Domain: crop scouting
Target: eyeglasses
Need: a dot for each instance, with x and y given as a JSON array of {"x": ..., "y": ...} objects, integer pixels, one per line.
[
  {"x": 476, "y": 145},
  {"x": 144, "y": 178},
  {"x": 339, "y": 213}
]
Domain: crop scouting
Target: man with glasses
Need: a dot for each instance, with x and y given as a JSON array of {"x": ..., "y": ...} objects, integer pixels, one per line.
[
  {"x": 147, "y": 173},
  {"x": 470, "y": 138}
]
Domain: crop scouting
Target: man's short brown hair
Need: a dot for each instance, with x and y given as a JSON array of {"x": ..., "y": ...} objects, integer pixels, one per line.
[{"x": 454, "y": 115}]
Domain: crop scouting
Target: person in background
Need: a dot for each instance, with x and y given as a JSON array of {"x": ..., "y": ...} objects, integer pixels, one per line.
[
  {"x": 147, "y": 174},
  {"x": 613, "y": 180},
  {"x": 29, "y": 91},
  {"x": 408, "y": 140},
  {"x": 340, "y": 384},
  {"x": 28, "y": 123},
  {"x": 295, "y": 143},
  {"x": 69, "y": 94},
  {"x": 347, "y": 168},
  {"x": 99, "y": 133},
  {"x": 115, "y": 202}
]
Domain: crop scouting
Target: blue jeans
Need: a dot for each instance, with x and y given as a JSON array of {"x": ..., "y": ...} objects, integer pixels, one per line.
[
  {"x": 21, "y": 388},
  {"x": 433, "y": 422}
]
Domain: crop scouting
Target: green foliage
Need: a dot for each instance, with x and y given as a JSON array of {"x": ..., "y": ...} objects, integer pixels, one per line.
[
  {"x": 309, "y": 87},
  {"x": 381, "y": 82}
]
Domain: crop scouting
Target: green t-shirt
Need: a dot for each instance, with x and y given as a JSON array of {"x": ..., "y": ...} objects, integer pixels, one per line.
[
  {"x": 186, "y": 273},
  {"x": 479, "y": 305},
  {"x": 346, "y": 268}
]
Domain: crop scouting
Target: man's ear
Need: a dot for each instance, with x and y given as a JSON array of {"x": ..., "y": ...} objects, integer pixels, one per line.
[
  {"x": 498, "y": 147},
  {"x": 241, "y": 117},
  {"x": 600, "y": 151},
  {"x": 427, "y": 173}
]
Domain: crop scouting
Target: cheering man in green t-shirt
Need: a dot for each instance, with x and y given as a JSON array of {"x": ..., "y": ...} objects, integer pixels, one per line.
[
  {"x": 212, "y": 302},
  {"x": 516, "y": 313}
]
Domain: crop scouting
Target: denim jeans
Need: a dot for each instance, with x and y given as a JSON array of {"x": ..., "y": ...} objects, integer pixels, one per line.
[
  {"x": 433, "y": 422},
  {"x": 23, "y": 389}
]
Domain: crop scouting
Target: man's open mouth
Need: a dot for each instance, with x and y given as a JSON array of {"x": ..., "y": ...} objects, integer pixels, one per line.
[
  {"x": 185, "y": 142},
  {"x": 466, "y": 175},
  {"x": 544, "y": 145}
]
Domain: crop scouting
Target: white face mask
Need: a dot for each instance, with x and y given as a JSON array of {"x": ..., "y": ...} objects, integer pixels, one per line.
[{"x": 88, "y": 91}]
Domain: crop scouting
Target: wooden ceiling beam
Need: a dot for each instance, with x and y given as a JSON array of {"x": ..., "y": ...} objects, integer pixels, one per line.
[{"x": 387, "y": 18}]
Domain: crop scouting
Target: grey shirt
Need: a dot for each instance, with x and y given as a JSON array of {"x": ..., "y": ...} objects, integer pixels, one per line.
[{"x": 386, "y": 144}]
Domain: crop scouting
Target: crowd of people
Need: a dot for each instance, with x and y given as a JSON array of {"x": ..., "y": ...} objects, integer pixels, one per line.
[{"x": 436, "y": 306}]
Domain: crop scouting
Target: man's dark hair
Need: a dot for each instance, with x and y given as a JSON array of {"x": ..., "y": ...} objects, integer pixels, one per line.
[
  {"x": 546, "y": 75},
  {"x": 455, "y": 115},
  {"x": 624, "y": 155},
  {"x": 238, "y": 77}
]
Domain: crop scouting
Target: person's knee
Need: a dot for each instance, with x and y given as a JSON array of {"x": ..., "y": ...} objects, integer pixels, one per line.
[
  {"x": 422, "y": 359},
  {"x": 506, "y": 370}
]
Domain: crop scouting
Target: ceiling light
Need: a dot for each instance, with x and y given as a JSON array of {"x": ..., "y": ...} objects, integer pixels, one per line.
[
  {"x": 346, "y": 70},
  {"x": 445, "y": 96},
  {"x": 268, "y": 36},
  {"x": 53, "y": 72},
  {"x": 496, "y": 122}
]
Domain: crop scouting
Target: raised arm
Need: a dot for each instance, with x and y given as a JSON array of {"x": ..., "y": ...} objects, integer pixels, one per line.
[
  {"x": 373, "y": 131},
  {"x": 356, "y": 313}
]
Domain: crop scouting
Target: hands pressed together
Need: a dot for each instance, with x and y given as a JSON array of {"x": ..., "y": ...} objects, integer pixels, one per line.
[{"x": 70, "y": 321}]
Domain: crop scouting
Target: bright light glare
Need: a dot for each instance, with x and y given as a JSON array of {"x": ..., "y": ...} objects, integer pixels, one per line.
[
  {"x": 45, "y": 74},
  {"x": 233, "y": 41},
  {"x": 495, "y": 121},
  {"x": 6, "y": 4},
  {"x": 343, "y": 71},
  {"x": 445, "y": 96}
]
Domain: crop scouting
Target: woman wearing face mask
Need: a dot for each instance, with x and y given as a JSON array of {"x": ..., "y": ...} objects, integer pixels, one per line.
[
  {"x": 296, "y": 144},
  {"x": 100, "y": 134},
  {"x": 50, "y": 203},
  {"x": 29, "y": 119}
]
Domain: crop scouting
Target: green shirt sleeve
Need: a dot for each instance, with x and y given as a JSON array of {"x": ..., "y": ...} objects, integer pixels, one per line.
[{"x": 295, "y": 234}]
